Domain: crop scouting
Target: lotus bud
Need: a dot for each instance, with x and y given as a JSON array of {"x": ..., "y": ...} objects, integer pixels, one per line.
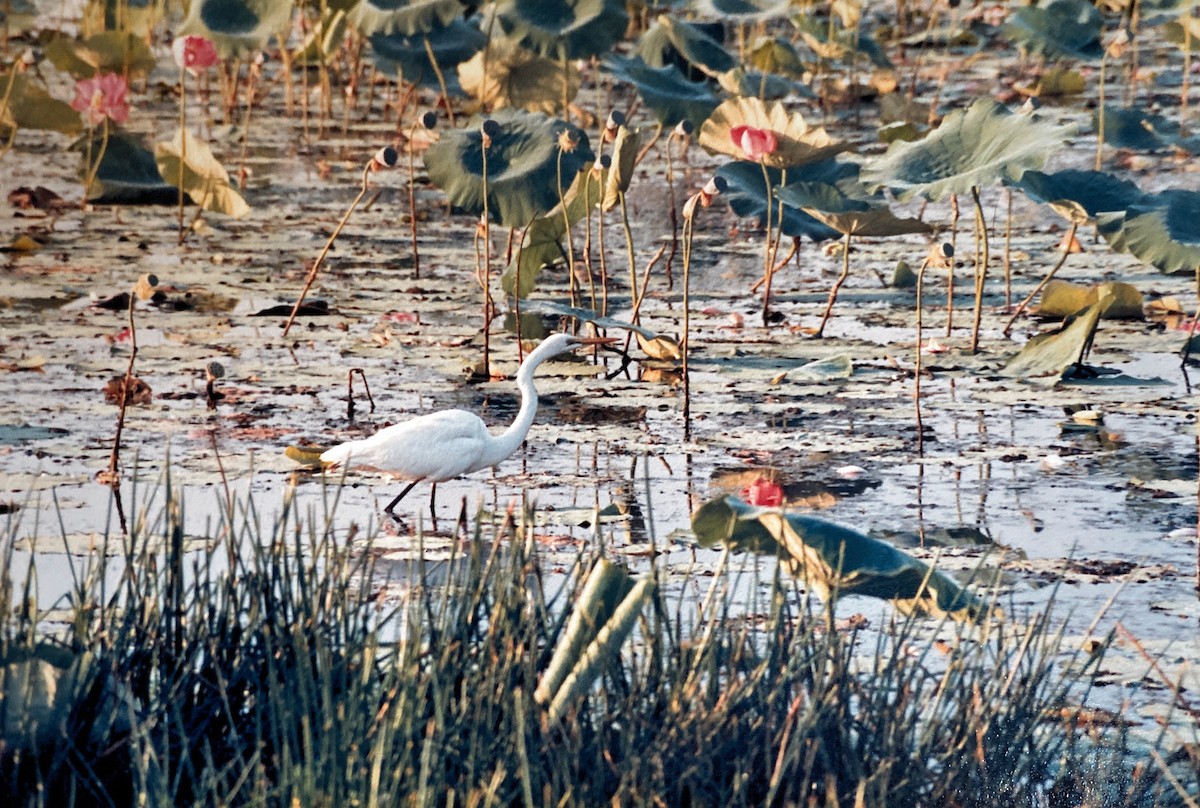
[
  {"x": 386, "y": 157},
  {"x": 616, "y": 119},
  {"x": 490, "y": 131},
  {"x": 429, "y": 120}
]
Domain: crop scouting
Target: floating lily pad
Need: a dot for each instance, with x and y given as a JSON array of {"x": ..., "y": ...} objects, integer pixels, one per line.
[
  {"x": 31, "y": 107},
  {"x": 524, "y": 163},
  {"x": 1062, "y": 299},
  {"x": 833, "y": 560},
  {"x": 237, "y": 26},
  {"x": 568, "y": 29},
  {"x": 1057, "y": 29},
  {"x": 834, "y": 368},
  {"x": 205, "y": 180},
  {"x": 408, "y": 56},
  {"x": 693, "y": 45},
  {"x": 970, "y": 148},
  {"x": 666, "y": 91},
  {"x": 797, "y": 143},
  {"x": 519, "y": 78},
  {"x": 12, "y": 434},
  {"x": 404, "y": 17},
  {"x": 1052, "y": 354}
]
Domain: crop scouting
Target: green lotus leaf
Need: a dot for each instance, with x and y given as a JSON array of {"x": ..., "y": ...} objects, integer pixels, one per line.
[
  {"x": 840, "y": 43},
  {"x": 566, "y": 29},
  {"x": 1143, "y": 131},
  {"x": 31, "y": 107},
  {"x": 109, "y": 52},
  {"x": 875, "y": 222},
  {"x": 1051, "y": 355},
  {"x": 407, "y": 56},
  {"x": 524, "y": 166},
  {"x": 127, "y": 175},
  {"x": 746, "y": 193},
  {"x": 516, "y": 77},
  {"x": 776, "y": 55},
  {"x": 541, "y": 242},
  {"x": 970, "y": 148},
  {"x": 324, "y": 42},
  {"x": 796, "y": 142},
  {"x": 833, "y": 560},
  {"x": 766, "y": 86},
  {"x": 1057, "y": 29},
  {"x": 743, "y": 10},
  {"x": 1162, "y": 230},
  {"x": 666, "y": 91},
  {"x": 697, "y": 48},
  {"x": 1094, "y": 192},
  {"x": 404, "y": 17},
  {"x": 238, "y": 26},
  {"x": 205, "y": 180}
]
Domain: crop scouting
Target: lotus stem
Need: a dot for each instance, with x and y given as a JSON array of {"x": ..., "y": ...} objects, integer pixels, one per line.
[
  {"x": 981, "y": 267},
  {"x": 768, "y": 266},
  {"x": 950, "y": 269},
  {"x": 917, "y": 362},
  {"x": 685, "y": 342},
  {"x": 412, "y": 201},
  {"x": 1100, "y": 114},
  {"x": 182, "y": 143},
  {"x": 587, "y": 240},
  {"x": 572, "y": 282},
  {"x": 251, "y": 74},
  {"x": 671, "y": 214},
  {"x": 93, "y": 170},
  {"x": 441, "y": 80},
  {"x": 780, "y": 264},
  {"x": 629, "y": 252},
  {"x": 837, "y": 285},
  {"x": 312, "y": 273},
  {"x": 1008, "y": 252},
  {"x": 1062, "y": 259},
  {"x": 486, "y": 142}
]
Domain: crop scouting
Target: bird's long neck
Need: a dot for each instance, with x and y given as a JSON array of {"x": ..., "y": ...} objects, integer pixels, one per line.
[{"x": 510, "y": 439}]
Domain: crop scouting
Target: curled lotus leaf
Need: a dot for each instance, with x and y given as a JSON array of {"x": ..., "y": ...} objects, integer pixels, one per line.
[
  {"x": 1094, "y": 192},
  {"x": 128, "y": 174},
  {"x": 833, "y": 560},
  {"x": 666, "y": 91},
  {"x": 696, "y": 47},
  {"x": 1063, "y": 298},
  {"x": 970, "y": 148},
  {"x": 524, "y": 165},
  {"x": 1142, "y": 130},
  {"x": 797, "y": 143},
  {"x": 1051, "y": 355},
  {"x": 204, "y": 178},
  {"x": 839, "y": 42},
  {"x": 1162, "y": 230},
  {"x": 567, "y": 29},
  {"x": 516, "y": 77},
  {"x": 873, "y": 222},
  {"x": 747, "y": 189},
  {"x": 1057, "y": 29},
  {"x": 405, "y": 17},
  {"x": 776, "y": 55},
  {"x": 238, "y": 26},
  {"x": 408, "y": 56},
  {"x": 625, "y": 150}
]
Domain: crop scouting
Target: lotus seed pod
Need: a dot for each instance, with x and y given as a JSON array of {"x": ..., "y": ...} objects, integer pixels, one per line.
[
  {"x": 386, "y": 157},
  {"x": 429, "y": 120},
  {"x": 215, "y": 370}
]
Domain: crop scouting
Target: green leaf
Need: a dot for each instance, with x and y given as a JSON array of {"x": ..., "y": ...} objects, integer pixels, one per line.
[
  {"x": 238, "y": 26},
  {"x": 747, "y": 191},
  {"x": 1162, "y": 230},
  {"x": 970, "y": 148},
  {"x": 404, "y": 17},
  {"x": 1052, "y": 354},
  {"x": 204, "y": 179},
  {"x": 31, "y": 107},
  {"x": 1062, "y": 299},
  {"x": 110, "y": 52},
  {"x": 1057, "y": 29},
  {"x": 128, "y": 174},
  {"x": 408, "y": 57},
  {"x": 566, "y": 29},
  {"x": 697, "y": 48},
  {"x": 666, "y": 91},
  {"x": 833, "y": 560},
  {"x": 1095, "y": 192},
  {"x": 743, "y": 10},
  {"x": 519, "y": 78},
  {"x": 524, "y": 166}
]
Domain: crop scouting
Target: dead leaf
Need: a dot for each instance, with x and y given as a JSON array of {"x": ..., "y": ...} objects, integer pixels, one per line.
[{"x": 137, "y": 392}]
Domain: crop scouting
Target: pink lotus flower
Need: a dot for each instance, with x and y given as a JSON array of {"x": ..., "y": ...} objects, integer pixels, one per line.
[
  {"x": 764, "y": 493},
  {"x": 101, "y": 97},
  {"x": 754, "y": 142},
  {"x": 194, "y": 53}
]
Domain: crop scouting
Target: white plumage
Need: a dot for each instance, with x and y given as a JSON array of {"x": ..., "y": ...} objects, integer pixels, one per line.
[{"x": 444, "y": 445}]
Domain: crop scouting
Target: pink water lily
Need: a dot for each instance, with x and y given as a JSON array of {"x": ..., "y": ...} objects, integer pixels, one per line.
[
  {"x": 756, "y": 143},
  {"x": 101, "y": 97},
  {"x": 194, "y": 53}
]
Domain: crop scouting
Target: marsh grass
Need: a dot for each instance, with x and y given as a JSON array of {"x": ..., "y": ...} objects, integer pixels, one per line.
[{"x": 273, "y": 667}]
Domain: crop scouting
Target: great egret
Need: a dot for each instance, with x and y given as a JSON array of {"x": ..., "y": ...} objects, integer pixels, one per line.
[{"x": 444, "y": 445}]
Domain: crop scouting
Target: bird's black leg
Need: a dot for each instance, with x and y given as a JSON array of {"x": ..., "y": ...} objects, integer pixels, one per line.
[
  {"x": 396, "y": 501},
  {"x": 433, "y": 505}
]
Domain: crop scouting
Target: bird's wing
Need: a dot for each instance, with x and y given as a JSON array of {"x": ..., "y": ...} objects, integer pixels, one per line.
[{"x": 437, "y": 446}]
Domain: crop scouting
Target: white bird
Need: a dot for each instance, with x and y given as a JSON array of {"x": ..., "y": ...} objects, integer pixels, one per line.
[{"x": 443, "y": 445}]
